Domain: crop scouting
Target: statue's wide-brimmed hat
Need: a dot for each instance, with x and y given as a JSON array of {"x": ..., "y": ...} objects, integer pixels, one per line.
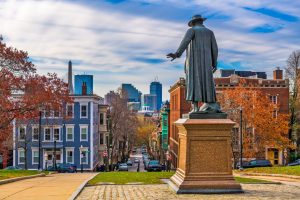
[{"x": 196, "y": 18}]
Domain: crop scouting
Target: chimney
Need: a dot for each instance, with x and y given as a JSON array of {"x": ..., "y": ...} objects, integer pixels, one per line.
[
  {"x": 278, "y": 74},
  {"x": 84, "y": 88},
  {"x": 70, "y": 79}
]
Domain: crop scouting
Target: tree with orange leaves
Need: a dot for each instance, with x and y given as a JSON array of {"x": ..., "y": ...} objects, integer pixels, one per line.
[
  {"x": 263, "y": 126},
  {"x": 23, "y": 92}
]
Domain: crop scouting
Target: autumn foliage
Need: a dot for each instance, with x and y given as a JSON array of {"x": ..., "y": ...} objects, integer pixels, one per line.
[
  {"x": 263, "y": 126},
  {"x": 23, "y": 92}
]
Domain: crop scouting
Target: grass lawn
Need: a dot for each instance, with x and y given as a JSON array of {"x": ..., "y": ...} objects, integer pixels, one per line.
[
  {"x": 289, "y": 170},
  {"x": 5, "y": 174},
  {"x": 146, "y": 178},
  {"x": 131, "y": 177},
  {"x": 250, "y": 180}
]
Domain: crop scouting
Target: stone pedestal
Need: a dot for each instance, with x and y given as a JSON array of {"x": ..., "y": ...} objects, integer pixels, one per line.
[{"x": 204, "y": 157}]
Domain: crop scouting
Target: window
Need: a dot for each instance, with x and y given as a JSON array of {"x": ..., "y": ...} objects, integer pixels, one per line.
[
  {"x": 70, "y": 133},
  {"x": 70, "y": 111},
  {"x": 35, "y": 133},
  {"x": 101, "y": 118},
  {"x": 47, "y": 133},
  {"x": 47, "y": 112},
  {"x": 83, "y": 111},
  {"x": 56, "y": 113},
  {"x": 70, "y": 156},
  {"x": 21, "y": 155},
  {"x": 83, "y": 133},
  {"x": 22, "y": 133},
  {"x": 274, "y": 114},
  {"x": 273, "y": 99},
  {"x": 101, "y": 138},
  {"x": 84, "y": 156},
  {"x": 35, "y": 156},
  {"x": 56, "y": 134}
]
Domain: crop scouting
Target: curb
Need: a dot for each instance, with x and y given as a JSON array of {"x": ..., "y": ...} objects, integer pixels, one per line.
[
  {"x": 11, "y": 180},
  {"x": 272, "y": 175},
  {"x": 80, "y": 188}
]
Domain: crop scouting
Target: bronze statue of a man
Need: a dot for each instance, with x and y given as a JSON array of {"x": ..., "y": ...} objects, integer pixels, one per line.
[{"x": 201, "y": 61}]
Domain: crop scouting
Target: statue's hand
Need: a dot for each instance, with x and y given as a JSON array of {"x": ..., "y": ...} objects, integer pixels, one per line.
[{"x": 172, "y": 55}]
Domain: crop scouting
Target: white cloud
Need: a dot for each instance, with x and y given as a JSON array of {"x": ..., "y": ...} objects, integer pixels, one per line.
[{"x": 105, "y": 41}]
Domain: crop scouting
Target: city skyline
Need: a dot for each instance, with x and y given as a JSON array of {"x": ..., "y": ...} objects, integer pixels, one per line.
[{"x": 126, "y": 40}]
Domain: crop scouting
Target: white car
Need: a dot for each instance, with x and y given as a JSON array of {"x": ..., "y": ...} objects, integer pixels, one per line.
[{"x": 123, "y": 167}]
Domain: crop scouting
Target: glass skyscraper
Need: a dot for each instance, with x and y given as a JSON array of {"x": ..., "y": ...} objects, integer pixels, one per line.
[{"x": 156, "y": 89}]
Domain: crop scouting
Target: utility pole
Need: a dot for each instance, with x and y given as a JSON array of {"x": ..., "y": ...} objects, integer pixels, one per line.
[
  {"x": 40, "y": 133},
  {"x": 241, "y": 137}
]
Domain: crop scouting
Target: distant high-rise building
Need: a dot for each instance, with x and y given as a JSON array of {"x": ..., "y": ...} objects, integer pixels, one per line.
[
  {"x": 222, "y": 73},
  {"x": 109, "y": 97},
  {"x": 132, "y": 94},
  {"x": 156, "y": 89},
  {"x": 149, "y": 101},
  {"x": 70, "y": 78},
  {"x": 84, "y": 84}
]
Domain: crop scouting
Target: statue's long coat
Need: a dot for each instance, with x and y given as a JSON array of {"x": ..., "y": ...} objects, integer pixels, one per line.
[{"x": 201, "y": 56}]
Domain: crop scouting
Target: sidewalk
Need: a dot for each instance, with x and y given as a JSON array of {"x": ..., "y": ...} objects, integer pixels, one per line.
[
  {"x": 55, "y": 186},
  {"x": 282, "y": 179}
]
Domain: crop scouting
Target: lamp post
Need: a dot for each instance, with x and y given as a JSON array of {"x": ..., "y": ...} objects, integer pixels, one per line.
[
  {"x": 81, "y": 156},
  {"x": 54, "y": 154},
  {"x": 40, "y": 133},
  {"x": 241, "y": 137}
]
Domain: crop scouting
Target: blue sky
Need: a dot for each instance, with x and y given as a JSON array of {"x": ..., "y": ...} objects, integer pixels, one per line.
[{"x": 125, "y": 41}]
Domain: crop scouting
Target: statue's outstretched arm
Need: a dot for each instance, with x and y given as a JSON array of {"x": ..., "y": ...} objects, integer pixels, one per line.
[{"x": 185, "y": 42}]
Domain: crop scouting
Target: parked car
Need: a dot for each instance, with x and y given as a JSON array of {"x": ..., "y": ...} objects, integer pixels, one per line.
[
  {"x": 296, "y": 162},
  {"x": 63, "y": 168},
  {"x": 13, "y": 168},
  {"x": 123, "y": 167},
  {"x": 129, "y": 162},
  {"x": 154, "y": 165},
  {"x": 257, "y": 163},
  {"x": 136, "y": 160}
]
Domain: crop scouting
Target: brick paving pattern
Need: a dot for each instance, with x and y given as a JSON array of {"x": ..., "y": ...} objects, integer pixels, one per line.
[{"x": 162, "y": 192}]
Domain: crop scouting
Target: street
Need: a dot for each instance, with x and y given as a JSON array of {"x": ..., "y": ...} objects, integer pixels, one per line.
[{"x": 134, "y": 166}]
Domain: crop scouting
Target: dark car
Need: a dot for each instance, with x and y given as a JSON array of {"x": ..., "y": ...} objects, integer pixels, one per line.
[
  {"x": 69, "y": 168},
  {"x": 296, "y": 162},
  {"x": 129, "y": 162},
  {"x": 257, "y": 163},
  {"x": 154, "y": 165}
]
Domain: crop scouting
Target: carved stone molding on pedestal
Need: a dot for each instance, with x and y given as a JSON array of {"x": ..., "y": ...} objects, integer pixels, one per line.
[{"x": 204, "y": 157}]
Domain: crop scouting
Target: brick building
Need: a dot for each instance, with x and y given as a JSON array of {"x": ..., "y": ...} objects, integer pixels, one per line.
[
  {"x": 277, "y": 89},
  {"x": 178, "y": 106}
]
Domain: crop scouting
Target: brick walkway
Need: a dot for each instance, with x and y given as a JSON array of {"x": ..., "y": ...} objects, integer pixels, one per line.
[{"x": 162, "y": 192}]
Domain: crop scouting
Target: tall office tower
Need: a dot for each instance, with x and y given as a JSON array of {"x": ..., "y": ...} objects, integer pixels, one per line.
[{"x": 156, "y": 89}]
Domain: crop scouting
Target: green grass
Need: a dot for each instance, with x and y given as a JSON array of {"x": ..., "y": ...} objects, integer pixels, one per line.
[
  {"x": 250, "y": 180},
  {"x": 6, "y": 174},
  {"x": 146, "y": 178},
  {"x": 131, "y": 177},
  {"x": 289, "y": 170}
]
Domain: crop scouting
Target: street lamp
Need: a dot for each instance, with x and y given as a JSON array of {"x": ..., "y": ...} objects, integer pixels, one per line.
[
  {"x": 81, "y": 156},
  {"x": 40, "y": 133},
  {"x": 241, "y": 137},
  {"x": 54, "y": 154}
]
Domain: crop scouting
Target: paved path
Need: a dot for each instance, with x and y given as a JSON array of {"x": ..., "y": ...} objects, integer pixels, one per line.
[
  {"x": 283, "y": 180},
  {"x": 54, "y": 187},
  {"x": 162, "y": 192}
]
